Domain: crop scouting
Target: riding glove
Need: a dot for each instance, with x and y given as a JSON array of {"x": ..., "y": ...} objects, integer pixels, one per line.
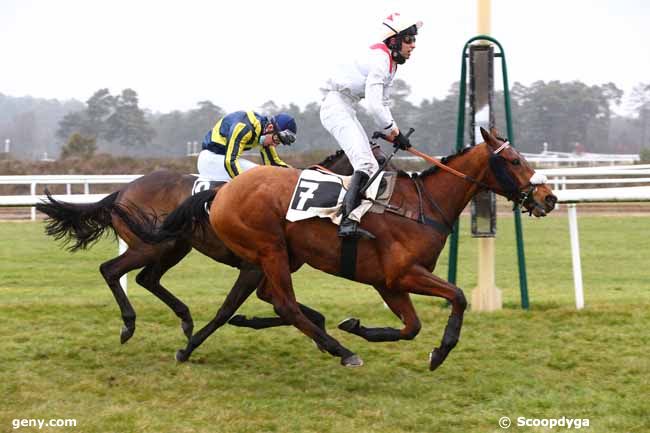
[{"x": 401, "y": 141}]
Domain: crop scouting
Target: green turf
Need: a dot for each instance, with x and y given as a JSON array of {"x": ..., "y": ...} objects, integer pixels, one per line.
[{"x": 61, "y": 356}]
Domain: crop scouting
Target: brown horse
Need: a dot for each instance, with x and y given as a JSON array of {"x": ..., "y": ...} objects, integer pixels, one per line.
[
  {"x": 397, "y": 263},
  {"x": 160, "y": 192}
]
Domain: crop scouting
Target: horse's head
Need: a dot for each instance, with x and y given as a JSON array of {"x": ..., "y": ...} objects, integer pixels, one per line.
[{"x": 511, "y": 176}]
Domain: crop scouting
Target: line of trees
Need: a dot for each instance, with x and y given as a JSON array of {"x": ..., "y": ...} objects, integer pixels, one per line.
[{"x": 558, "y": 113}]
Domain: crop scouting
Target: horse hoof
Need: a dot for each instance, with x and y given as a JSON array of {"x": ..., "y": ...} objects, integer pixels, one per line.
[
  {"x": 237, "y": 320},
  {"x": 435, "y": 359},
  {"x": 182, "y": 356},
  {"x": 187, "y": 327},
  {"x": 352, "y": 361},
  {"x": 349, "y": 325},
  {"x": 126, "y": 333}
]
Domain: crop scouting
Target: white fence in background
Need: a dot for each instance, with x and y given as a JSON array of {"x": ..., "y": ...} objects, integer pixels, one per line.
[
  {"x": 582, "y": 182},
  {"x": 579, "y": 159},
  {"x": 572, "y": 186},
  {"x": 44, "y": 180},
  {"x": 60, "y": 179}
]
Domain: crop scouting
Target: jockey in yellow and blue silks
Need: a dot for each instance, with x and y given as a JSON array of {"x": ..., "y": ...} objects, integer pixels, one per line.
[{"x": 240, "y": 131}]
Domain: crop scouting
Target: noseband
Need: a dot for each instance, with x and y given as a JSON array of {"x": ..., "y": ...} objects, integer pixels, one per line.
[{"x": 519, "y": 196}]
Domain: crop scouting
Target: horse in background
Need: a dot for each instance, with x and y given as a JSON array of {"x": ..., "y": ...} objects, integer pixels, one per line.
[{"x": 159, "y": 193}]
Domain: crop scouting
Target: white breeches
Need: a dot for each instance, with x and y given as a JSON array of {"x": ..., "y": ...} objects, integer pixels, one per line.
[
  {"x": 211, "y": 165},
  {"x": 339, "y": 117}
]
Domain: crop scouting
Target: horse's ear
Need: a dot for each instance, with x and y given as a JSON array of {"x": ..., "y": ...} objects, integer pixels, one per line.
[
  {"x": 494, "y": 132},
  {"x": 485, "y": 134}
]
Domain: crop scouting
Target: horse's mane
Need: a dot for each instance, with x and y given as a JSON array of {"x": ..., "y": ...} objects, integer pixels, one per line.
[{"x": 332, "y": 157}]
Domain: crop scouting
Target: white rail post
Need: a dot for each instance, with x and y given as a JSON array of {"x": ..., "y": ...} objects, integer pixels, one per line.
[
  {"x": 32, "y": 190},
  {"x": 121, "y": 249},
  {"x": 575, "y": 255}
]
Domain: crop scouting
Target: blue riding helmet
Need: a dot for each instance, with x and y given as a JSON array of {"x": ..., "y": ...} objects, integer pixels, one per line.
[{"x": 285, "y": 127}]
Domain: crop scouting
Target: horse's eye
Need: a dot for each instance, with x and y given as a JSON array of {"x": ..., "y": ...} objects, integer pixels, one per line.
[{"x": 516, "y": 162}]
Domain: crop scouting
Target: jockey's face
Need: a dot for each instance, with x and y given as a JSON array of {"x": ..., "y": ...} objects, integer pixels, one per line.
[
  {"x": 270, "y": 139},
  {"x": 408, "y": 45}
]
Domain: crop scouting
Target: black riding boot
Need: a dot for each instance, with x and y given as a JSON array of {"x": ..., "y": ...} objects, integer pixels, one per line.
[{"x": 349, "y": 227}]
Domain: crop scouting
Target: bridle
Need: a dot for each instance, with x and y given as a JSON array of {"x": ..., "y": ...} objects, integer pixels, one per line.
[{"x": 520, "y": 196}]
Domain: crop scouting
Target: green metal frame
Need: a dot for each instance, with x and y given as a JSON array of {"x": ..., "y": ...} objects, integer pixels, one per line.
[{"x": 460, "y": 133}]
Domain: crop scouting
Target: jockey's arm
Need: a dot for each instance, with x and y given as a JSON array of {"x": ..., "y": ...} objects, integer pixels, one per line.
[
  {"x": 270, "y": 157},
  {"x": 239, "y": 135},
  {"x": 378, "y": 95}
]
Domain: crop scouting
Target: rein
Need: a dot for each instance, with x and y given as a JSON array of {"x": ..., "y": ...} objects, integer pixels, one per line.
[{"x": 446, "y": 168}]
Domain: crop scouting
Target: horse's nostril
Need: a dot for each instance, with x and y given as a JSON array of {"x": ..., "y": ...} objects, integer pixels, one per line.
[{"x": 551, "y": 199}]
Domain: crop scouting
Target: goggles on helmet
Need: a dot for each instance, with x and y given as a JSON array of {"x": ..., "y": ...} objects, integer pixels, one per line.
[{"x": 286, "y": 136}]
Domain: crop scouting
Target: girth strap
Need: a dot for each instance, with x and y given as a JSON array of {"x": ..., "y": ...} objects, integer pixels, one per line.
[{"x": 348, "y": 268}]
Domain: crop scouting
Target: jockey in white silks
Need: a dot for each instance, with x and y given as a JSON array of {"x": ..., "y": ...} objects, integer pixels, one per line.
[{"x": 369, "y": 76}]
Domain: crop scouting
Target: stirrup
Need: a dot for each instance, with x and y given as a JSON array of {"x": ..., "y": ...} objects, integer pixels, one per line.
[{"x": 350, "y": 229}]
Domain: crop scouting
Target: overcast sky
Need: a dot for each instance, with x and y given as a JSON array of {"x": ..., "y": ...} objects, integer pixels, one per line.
[{"x": 240, "y": 54}]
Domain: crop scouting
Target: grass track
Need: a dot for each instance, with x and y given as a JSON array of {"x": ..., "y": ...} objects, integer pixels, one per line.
[{"x": 61, "y": 356}]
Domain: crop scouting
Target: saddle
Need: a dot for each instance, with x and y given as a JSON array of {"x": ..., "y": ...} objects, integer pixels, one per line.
[
  {"x": 320, "y": 193},
  {"x": 204, "y": 183}
]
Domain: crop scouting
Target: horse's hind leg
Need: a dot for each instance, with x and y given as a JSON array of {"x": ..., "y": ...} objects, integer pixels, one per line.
[
  {"x": 112, "y": 270},
  {"x": 250, "y": 277},
  {"x": 420, "y": 281},
  {"x": 400, "y": 304},
  {"x": 276, "y": 268},
  {"x": 150, "y": 276}
]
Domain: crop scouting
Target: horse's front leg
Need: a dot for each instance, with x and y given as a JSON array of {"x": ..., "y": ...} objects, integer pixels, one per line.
[
  {"x": 420, "y": 281},
  {"x": 401, "y": 305},
  {"x": 255, "y": 322}
]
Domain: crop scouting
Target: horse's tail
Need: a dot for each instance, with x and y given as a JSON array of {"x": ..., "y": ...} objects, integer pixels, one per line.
[
  {"x": 181, "y": 223},
  {"x": 82, "y": 224}
]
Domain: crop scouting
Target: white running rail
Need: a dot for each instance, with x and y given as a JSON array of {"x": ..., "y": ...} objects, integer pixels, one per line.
[
  {"x": 44, "y": 180},
  {"x": 561, "y": 178}
]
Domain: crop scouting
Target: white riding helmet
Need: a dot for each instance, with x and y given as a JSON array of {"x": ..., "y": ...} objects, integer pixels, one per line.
[{"x": 395, "y": 23}]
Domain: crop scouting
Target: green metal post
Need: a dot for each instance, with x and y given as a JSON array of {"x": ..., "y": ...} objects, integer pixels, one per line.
[
  {"x": 521, "y": 257},
  {"x": 460, "y": 129},
  {"x": 453, "y": 246}
]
